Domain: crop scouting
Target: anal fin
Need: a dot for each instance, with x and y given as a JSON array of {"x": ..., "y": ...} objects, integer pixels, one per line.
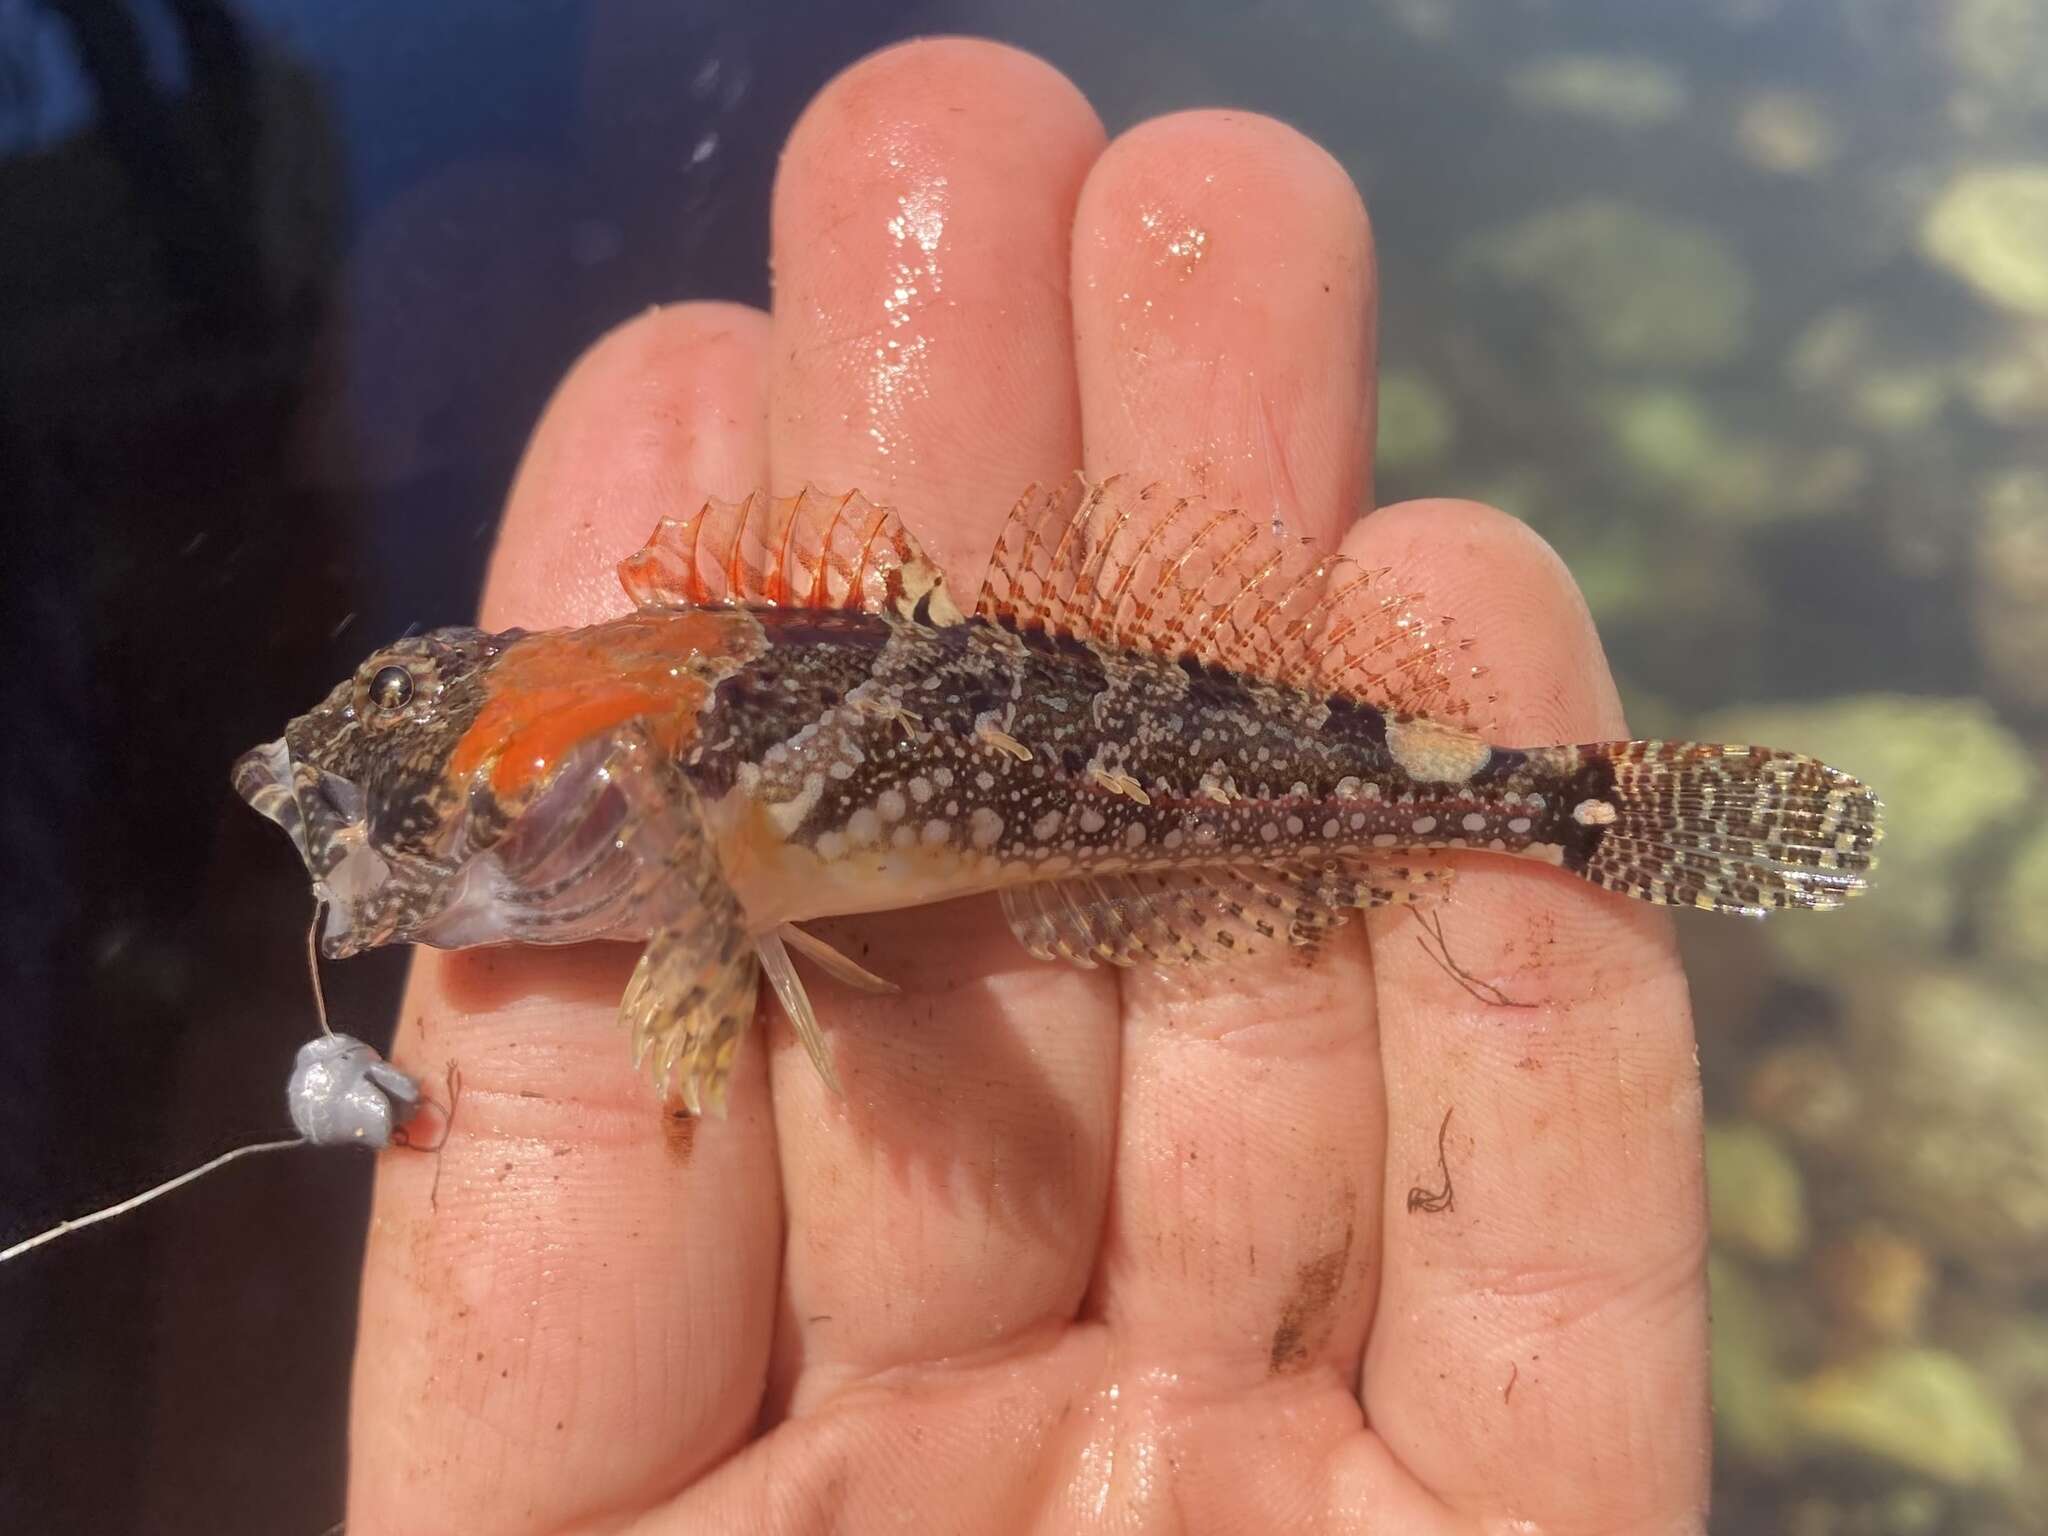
[
  {"x": 1175, "y": 917},
  {"x": 1121, "y": 919}
]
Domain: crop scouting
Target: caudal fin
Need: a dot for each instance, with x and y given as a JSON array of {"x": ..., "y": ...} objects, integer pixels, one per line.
[{"x": 1725, "y": 828}]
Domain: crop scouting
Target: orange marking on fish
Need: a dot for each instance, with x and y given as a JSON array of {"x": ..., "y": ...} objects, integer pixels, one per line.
[{"x": 552, "y": 691}]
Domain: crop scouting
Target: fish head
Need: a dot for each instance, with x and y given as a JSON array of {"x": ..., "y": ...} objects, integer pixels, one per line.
[{"x": 366, "y": 786}]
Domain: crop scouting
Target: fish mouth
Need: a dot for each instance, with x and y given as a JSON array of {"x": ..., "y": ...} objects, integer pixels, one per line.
[
  {"x": 326, "y": 817},
  {"x": 572, "y": 865},
  {"x": 263, "y": 777}
]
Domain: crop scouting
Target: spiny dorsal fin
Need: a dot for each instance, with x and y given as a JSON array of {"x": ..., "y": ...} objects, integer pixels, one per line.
[
  {"x": 809, "y": 550},
  {"x": 1143, "y": 568}
]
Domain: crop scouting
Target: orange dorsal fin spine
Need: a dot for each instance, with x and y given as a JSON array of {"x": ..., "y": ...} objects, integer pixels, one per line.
[
  {"x": 1114, "y": 563},
  {"x": 809, "y": 550}
]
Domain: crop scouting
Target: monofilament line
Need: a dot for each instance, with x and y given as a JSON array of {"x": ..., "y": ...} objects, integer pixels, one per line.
[
  {"x": 122, "y": 1207},
  {"x": 365, "y": 1067},
  {"x": 313, "y": 966}
]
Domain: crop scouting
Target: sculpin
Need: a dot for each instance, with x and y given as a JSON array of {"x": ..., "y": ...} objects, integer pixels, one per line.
[{"x": 1163, "y": 734}]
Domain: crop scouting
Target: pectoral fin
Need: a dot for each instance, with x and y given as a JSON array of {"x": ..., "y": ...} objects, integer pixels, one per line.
[{"x": 689, "y": 1004}]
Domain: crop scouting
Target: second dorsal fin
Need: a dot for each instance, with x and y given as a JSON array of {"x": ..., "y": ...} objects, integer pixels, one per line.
[
  {"x": 809, "y": 550},
  {"x": 1143, "y": 568}
]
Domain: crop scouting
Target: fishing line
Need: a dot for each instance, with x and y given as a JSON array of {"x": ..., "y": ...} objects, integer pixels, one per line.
[
  {"x": 341, "y": 1093},
  {"x": 123, "y": 1207},
  {"x": 313, "y": 966}
]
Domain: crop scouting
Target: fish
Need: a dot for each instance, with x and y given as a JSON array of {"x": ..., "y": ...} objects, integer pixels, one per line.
[{"x": 1163, "y": 734}]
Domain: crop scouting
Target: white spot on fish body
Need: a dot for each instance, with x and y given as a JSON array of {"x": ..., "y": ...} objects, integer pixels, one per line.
[
  {"x": 789, "y": 814},
  {"x": 864, "y": 827},
  {"x": 1474, "y": 822},
  {"x": 1330, "y": 827},
  {"x": 936, "y": 831},
  {"x": 1432, "y": 753},
  {"x": 1519, "y": 825},
  {"x": 1384, "y": 840},
  {"x": 1091, "y": 819},
  {"x": 1594, "y": 813},
  {"x": 984, "y": 826},
  {"x": 1425, "y": 824},
  {"x": 920, "y": 789},
  {"x": 1134, "y": 834},
  {"x": 1047, "y": 826},
  {"x": 892, "y": 805}
]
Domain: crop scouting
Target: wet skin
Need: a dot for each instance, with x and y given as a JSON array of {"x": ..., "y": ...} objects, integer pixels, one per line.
[{"x": 1078, "y": 1249}]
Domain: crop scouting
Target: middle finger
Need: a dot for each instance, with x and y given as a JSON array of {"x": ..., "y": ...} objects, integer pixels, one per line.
[
  {"x": 1224, "y": 294},
  {"x": 951, "y": 1201}
]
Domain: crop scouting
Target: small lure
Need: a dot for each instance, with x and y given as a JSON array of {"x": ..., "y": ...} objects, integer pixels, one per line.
[
  {"x": 1163, "y": 734},
  {"x": 341, "y": 1094}
]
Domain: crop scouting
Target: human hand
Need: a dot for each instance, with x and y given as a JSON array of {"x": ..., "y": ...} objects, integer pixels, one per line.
[{"x": 1077, "y": 1249}]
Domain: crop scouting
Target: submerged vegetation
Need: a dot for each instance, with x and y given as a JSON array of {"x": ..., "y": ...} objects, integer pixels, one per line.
[{"x": 1748, "y": 313}]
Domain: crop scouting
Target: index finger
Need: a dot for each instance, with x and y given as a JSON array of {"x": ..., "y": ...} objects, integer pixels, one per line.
[
  {"x": 1540, "y": 1352},
  {"x": 567, "y": 1309}
]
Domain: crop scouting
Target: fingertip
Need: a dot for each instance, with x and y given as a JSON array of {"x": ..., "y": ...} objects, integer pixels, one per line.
[
  {"x": 923, "y": 337},
  {"x": 1224, "y": 299},
  {"x": 1240, "y": 152},
  {"x": 661, "y": 411},
  {"x": 907, "y": 82},
  {"x": 1543, "y": 677}
]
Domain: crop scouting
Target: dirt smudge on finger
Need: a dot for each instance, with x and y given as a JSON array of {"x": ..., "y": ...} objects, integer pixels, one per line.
[
  {"x": 679, "y": 1133},
  {"x": 1307, "y": 1317}
]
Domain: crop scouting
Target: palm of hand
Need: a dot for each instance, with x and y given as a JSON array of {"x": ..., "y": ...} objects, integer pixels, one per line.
[{"x": 1077, "y": 1250}]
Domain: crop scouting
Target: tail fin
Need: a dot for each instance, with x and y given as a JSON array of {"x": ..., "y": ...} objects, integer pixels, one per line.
[{"x": 1725, "y": 829}]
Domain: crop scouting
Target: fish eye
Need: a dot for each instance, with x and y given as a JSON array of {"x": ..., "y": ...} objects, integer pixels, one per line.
[{"x": 391, "y": 688}]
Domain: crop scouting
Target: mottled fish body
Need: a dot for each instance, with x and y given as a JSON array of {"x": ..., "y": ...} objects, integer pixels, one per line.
[{"x": 1162, "y": 735}]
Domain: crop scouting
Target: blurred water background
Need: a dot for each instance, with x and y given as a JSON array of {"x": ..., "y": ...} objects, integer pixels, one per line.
[{"x": 1743, "y": 303}]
